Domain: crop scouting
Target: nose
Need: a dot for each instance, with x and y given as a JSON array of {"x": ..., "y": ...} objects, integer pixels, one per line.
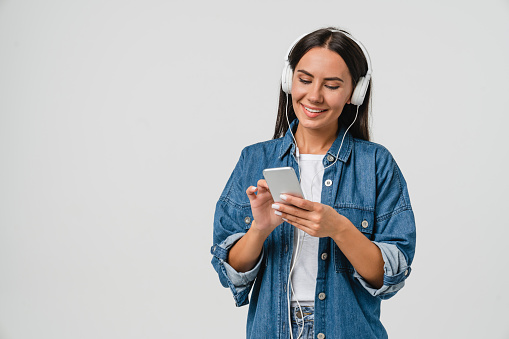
[{"x": 315, "y": 93}]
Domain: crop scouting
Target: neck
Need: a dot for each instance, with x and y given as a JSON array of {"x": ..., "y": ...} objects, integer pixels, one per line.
[{"x": 315, "y": 141}]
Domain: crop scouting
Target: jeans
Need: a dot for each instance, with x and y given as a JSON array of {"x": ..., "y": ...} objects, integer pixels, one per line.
[{"x": 304, "y": 319}]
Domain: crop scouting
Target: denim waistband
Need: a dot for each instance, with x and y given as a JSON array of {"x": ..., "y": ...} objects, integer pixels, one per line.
[{"x": 304, "y": 313}]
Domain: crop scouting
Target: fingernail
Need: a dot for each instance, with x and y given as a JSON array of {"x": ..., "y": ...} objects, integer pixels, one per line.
[
  {"x": 285, "y": 219},
  {"x": 274, "y": 206},
  {"x": 282, "y": 196},
  {"x": 278, "y": 213}
]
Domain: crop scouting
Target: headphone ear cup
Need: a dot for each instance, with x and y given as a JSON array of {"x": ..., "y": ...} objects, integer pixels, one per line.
[
  {"x": 360, "y": 91},
  {"x": 286, "y": 78}
]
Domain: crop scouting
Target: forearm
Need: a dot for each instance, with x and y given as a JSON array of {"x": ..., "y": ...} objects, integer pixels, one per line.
[
  {"x": 246, "y": 252},
  {"x": 364, "y": 256}
]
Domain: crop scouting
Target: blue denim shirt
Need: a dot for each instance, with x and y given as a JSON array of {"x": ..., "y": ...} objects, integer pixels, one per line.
[{"x": 369, "y": 189}]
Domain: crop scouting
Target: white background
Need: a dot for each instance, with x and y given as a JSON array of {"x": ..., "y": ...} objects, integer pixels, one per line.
[{"x": 120, "y": 122}]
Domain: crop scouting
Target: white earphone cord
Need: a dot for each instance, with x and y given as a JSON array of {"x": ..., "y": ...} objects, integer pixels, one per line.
[{"x": 289, "y": 285}]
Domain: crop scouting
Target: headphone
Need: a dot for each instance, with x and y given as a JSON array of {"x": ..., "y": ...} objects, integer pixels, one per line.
[{"x": 360, "y": 89}]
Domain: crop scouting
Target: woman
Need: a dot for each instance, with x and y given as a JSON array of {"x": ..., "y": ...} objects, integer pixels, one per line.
[{"x": 350, "y": 242}]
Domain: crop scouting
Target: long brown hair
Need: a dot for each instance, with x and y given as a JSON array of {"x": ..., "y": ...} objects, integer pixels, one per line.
[{"x": 334, "y": 40}]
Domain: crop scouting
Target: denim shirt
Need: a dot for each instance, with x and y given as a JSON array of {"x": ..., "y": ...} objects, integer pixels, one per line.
[{"x": 367, "y": 188}]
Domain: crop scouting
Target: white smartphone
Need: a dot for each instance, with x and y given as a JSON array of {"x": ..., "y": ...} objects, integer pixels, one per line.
[{"x": 282, "y": 180}]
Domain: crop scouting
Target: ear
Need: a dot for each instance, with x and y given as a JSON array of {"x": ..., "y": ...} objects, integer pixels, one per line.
[{"x": 349, "y": 101}]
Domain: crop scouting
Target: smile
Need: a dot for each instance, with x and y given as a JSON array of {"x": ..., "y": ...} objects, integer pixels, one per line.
[
  {"x": 314, "y": 110},
  {"x": 312, "y": 113}
]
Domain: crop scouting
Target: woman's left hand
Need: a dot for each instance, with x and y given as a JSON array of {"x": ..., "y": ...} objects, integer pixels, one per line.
[
  {"x": 319, "y": 220},
  {"x": 314, "y": 218}
]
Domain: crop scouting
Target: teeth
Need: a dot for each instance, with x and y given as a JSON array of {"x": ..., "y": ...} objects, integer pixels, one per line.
[{"x": 314, "y": 110}]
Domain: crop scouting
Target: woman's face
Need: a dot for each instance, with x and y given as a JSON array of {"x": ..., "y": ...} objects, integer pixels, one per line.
[{"x": 321, "y": 87}]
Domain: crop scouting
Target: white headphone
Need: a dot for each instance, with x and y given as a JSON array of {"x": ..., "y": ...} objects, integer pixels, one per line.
[{"x": 360, "y": 89}]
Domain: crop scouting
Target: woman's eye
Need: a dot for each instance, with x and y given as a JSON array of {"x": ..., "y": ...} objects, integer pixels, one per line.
[
  {"x": 304, "y": 81},
  {"x": 332, "y": 87}
]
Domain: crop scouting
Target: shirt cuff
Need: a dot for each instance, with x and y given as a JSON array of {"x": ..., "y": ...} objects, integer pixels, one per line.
[
  {"x": 396, "y": 271},
  {"x": 240, "y": 280}
]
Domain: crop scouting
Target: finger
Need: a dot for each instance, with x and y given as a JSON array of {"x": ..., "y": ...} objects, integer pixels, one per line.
[
  {"x": 293, "y": 219},
  {"x": 297, "y": 224},
  {"x": 291, "y": 210},
  {"x": 251, "y": 190},
  {"x": 262, "y": 183},
  {"x": 299, "y": 202}
]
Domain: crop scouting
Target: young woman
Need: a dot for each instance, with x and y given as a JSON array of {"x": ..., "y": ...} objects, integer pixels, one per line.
[{"x": 318, "y": 266}]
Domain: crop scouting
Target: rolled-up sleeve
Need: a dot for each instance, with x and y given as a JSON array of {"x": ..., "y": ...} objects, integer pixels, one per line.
[
  {"x": 232, "y": 219},
  {"x": 239, "y": 282},
  {"x": 396, "y": 270},
  {"x": 394, "y": 231}
]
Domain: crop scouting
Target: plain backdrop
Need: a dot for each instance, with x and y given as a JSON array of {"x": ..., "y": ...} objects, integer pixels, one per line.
[{"x": 120, "y": 122}]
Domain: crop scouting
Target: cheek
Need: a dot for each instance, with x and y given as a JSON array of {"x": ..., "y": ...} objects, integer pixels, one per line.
[
  {"x": 338, "y": 101},
  {"x": 338, "y": 104},
  {"x": 297, "y": 92}
]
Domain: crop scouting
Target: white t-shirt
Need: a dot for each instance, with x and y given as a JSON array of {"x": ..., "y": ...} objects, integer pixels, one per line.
[{"x": 306, "y": 268}]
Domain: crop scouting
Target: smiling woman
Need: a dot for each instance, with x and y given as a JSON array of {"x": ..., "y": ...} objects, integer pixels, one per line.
[{"x": 317, "y": 266}]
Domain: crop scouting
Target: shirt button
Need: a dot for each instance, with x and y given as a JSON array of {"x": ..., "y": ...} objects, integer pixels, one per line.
[
  {"x": 321, "y": 296},
  {"x": 247, "y": 220},
  {"x": 328, "y": 182},
  {"x": 324, "y": 256},
  {"x": 320, "y": 336},
  {"x": 406, "y": 272},
  {"x": 364, "y": 224},
  {"x": 330, "y": 158}
]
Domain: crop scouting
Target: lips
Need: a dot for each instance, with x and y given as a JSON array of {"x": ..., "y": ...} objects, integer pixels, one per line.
[{"x": 312, "y": 112}]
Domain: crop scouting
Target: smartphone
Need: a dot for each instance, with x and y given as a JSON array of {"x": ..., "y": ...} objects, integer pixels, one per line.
[{"x": 282, "y": 180}]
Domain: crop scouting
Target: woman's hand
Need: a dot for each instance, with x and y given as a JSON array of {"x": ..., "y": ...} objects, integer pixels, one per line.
[
  {"x": 320, "y": 220},
  {"x": 316, "y": 219},
  {"x": 261, "y": 202},
  {"x": 244, "y": 255}
]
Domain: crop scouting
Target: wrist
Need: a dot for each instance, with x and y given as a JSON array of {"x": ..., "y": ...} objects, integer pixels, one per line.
[
  {"x": 344, "y": 227},
  {"x": 261, "y": 234}
]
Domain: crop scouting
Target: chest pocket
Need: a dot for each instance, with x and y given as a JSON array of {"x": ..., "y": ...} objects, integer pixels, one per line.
[{"x": 363, "y": 220}]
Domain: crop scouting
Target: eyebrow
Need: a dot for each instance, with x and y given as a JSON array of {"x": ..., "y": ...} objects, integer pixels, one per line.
[{"x": 311, "y": 75}]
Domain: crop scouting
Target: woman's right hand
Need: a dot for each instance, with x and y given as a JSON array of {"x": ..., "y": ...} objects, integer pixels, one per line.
[
  {"x": 244, "y": 255},
  {"x": 261, "y": 206}
]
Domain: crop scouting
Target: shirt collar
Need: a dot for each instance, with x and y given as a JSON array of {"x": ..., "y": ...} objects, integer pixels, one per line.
[{"x": 288, "y": 145}]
